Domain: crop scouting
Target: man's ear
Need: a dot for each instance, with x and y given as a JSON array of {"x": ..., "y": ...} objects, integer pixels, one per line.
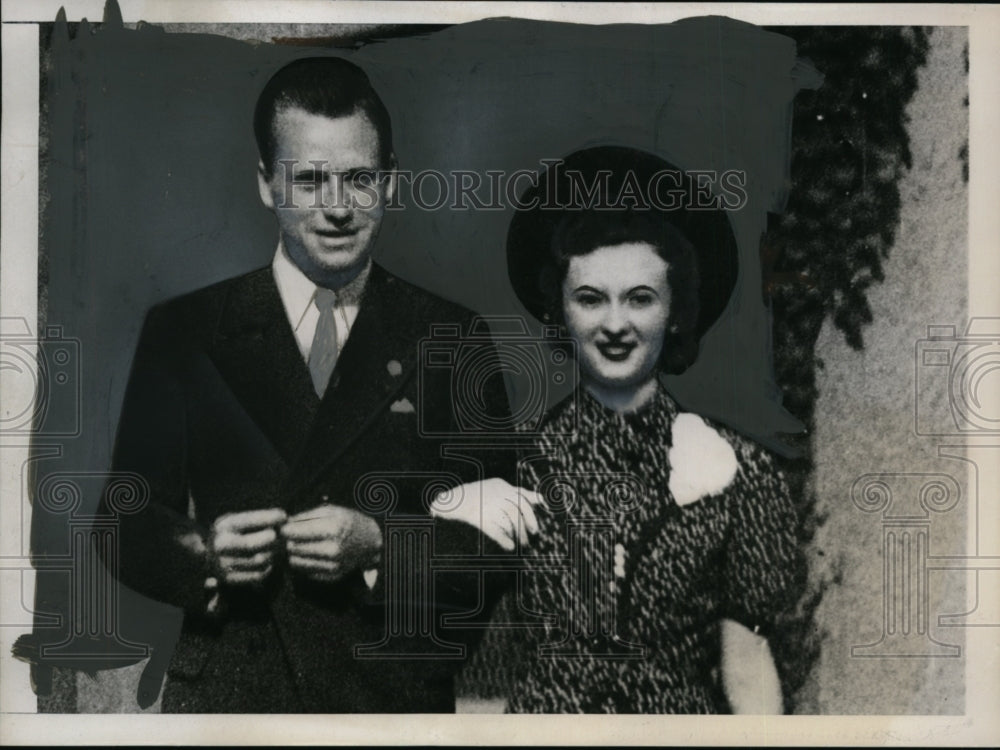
[
  {"x": 264, "y": 185},
  {"x": 390, "y": 183}
]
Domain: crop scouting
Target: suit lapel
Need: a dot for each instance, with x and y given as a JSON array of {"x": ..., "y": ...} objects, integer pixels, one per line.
[
  {"x": 255, "y": 350},
  {"x": 379, "y": 358}
]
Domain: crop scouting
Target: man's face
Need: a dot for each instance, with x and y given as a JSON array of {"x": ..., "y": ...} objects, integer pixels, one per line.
[{"x": 322, "y": 187}]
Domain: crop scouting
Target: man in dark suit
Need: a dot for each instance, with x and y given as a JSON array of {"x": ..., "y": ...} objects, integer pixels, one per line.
[{"x": 264, "y": 412}]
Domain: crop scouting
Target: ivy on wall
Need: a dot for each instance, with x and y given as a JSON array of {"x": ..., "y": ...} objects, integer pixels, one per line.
[{"x": 825, "y": 252}]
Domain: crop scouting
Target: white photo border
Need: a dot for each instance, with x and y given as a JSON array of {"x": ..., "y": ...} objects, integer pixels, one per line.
[{"x": 18, "y": 286}]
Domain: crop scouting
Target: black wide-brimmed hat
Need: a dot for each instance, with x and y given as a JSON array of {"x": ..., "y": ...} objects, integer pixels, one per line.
[{"x": 617, "y": 178}]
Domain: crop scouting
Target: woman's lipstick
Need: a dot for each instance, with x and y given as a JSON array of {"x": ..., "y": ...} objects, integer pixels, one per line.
[{"x": 616, "y": 351}]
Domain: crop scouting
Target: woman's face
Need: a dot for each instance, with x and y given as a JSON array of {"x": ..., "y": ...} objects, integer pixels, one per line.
[{"x": 615, "y": 303}]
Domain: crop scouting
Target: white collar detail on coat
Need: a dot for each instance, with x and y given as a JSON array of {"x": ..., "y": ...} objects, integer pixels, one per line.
[{"x": 702, "y": 462}]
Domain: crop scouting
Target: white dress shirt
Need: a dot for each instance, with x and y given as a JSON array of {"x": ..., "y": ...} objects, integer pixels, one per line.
[{"x": 298, "y": 292}]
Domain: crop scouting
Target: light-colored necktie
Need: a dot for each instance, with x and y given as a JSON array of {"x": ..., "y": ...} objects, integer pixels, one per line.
[{"x": 323, "y": 354}]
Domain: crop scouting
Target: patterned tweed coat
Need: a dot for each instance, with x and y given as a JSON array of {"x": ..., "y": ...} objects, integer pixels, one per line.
[{"x": 657, "y": 525}]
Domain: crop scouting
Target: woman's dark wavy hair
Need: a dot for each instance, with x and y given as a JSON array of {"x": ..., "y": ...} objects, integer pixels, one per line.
[{"x": 582, "y": 232}]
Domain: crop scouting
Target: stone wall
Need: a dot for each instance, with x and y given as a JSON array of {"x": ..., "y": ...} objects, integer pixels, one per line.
[{"x": 865, "y": 425}]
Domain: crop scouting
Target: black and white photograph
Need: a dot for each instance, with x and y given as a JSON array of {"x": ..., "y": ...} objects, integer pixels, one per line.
[{"x": 612, "y": 363}]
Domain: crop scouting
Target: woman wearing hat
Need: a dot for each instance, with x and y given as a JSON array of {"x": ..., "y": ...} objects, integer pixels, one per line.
[{"x": 667, "y": 544}]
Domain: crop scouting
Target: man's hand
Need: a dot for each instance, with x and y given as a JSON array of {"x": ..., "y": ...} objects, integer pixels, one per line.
[
  {"x": 499, "y": 510},
  {"x": 328, "y": 542},
  {"x": 243, "y": 545}
]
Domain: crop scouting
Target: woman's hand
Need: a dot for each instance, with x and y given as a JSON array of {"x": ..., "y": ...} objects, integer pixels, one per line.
[
  {"x": 499, "y": 510},
  {"x": 749, "y": 677}
]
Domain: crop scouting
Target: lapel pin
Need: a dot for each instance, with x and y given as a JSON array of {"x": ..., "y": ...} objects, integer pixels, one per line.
[{"x": 395, "y": 369}]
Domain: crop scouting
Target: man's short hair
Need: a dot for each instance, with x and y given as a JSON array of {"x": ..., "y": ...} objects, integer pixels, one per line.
[{"x": 328, "y": 86}]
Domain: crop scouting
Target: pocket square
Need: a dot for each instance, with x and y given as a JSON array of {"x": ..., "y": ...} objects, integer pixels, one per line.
[{"x": 403, "y": 406}]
